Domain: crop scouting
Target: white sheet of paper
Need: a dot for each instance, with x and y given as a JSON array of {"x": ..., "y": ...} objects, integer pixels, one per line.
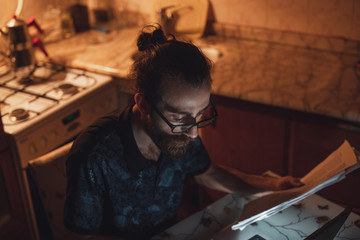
[{"x": 326, "y": 173}]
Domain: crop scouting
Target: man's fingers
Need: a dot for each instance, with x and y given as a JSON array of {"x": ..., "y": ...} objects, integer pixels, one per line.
[
  {"x": 296, "y": 182},
  {"x": 288, "y": 182}
]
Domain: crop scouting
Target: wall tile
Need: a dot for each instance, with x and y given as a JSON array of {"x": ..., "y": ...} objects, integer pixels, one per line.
[
  {"x": 31, "y": 8},
  {"x": 243, "y": 12},
  {"x": 6, "y": 9},
  {"x": 330, "y": 17},
  {"x": 288, "y": 15},
  {"x": 355, "y": 26},
  {"x": 254, "y": 13},
  {"x": 336, "y": 18},
  {"x": 318, "y": 17}
]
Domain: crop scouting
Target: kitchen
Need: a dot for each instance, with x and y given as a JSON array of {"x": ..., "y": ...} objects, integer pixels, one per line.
[{"x": 286, "y": 77}]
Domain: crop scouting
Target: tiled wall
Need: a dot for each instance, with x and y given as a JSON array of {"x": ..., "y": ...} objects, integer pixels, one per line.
[
  {"x": 8, "y": 7},
  {"x": 37, "y": 8},
  {"x": 30, "y": 8},
  {"x": 320, "y": 17}
]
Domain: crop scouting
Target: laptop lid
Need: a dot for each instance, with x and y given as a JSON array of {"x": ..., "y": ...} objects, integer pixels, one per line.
[{"x": 330, "y": 229}]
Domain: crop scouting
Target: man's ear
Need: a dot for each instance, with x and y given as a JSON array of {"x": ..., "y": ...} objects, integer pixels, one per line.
[{"x": 142, "y": 104}]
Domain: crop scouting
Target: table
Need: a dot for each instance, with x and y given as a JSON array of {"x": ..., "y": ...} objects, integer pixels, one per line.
[{"x": 296, "y": 222}]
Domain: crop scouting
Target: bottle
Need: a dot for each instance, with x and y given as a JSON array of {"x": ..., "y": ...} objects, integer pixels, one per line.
[
  {"x": 80, "y": 16},
  {"x": 67, "y": 25},
  {"x": 102, "y": 11}
]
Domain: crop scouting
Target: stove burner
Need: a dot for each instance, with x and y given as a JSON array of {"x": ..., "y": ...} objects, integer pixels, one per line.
[
  {"x": 19, "y": 114},
  {"x": 68, "y": 88}
]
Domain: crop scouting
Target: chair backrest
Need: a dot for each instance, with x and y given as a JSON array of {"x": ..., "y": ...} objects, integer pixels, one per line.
[{"x": 48, "y": 173}]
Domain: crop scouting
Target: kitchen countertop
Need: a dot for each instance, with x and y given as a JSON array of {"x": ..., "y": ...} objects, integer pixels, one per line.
[
  {"x": 95, "y": 51},
  {"x": 314, "y": 74}
]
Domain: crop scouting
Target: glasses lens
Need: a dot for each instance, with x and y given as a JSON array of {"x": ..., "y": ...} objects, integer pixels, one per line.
[
  {"x": 182, "y": 129},
  {"x": 204, "y": 121}
]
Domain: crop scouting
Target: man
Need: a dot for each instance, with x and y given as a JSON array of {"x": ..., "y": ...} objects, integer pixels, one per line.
[{"x": 126, "y": 171}]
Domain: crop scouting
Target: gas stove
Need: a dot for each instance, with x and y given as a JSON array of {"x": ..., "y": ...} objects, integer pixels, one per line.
[{"x": 51, "y": 106}]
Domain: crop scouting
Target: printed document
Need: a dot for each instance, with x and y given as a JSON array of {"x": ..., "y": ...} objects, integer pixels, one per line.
[{"x": 332, "y": 170}]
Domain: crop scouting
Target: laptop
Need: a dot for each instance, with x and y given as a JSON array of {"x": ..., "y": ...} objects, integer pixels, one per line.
[
  {"x": 327, "y": 232},
  {"x": 330, "y": 229}
]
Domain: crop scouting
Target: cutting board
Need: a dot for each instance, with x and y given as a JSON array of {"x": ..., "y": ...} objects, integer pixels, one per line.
[{"x": 188, "y": 16}]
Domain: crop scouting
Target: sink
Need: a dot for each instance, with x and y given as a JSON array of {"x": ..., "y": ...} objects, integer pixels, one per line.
[{"x": 212, "y": 53}]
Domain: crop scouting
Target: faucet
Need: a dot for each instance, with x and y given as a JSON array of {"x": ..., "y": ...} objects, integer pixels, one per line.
[{"x": 165, "y": 17}]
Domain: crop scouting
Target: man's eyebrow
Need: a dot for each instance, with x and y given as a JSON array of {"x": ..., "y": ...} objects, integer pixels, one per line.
[{"x": 178, "y": 111}]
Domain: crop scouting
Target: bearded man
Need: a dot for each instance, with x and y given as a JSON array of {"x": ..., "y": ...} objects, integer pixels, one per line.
[{"x": 126, "y": 171}]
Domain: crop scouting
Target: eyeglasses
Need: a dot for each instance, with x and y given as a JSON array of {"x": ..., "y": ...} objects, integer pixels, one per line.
[{"x": 208, "y": 117}]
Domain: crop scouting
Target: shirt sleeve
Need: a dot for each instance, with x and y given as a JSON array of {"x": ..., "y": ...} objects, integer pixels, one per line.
[
  {"x": 199, "y": 160},
  {"x": 83, "y": 210}
]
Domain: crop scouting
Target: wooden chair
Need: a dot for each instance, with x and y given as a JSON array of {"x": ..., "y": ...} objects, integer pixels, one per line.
[{"x": 47, "y": 179}]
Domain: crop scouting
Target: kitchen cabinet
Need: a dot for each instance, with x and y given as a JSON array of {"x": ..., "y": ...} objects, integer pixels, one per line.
[
  {"x": 246, "y": 136},
  {"x": 255, "y": 138},
  {"x": 12, "y": 218}
]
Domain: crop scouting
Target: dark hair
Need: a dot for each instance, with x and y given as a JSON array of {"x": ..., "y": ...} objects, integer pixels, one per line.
[{"x": 167, "y": 59}]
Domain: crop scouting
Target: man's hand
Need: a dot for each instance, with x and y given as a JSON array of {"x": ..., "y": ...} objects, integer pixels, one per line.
[
  {"x": 286, "y": 182},
  {"x": 230, "y": 180}
]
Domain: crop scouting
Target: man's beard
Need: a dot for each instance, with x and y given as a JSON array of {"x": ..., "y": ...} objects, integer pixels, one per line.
[{"x": 174, "y": 146}]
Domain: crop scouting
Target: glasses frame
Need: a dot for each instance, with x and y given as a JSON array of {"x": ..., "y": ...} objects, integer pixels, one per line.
[{"x": 189, "y": 126}]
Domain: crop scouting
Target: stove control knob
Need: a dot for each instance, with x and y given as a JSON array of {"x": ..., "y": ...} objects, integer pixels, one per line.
[
  {"x": 32, "y": 148},
  {"x": 43, "y": 142}
]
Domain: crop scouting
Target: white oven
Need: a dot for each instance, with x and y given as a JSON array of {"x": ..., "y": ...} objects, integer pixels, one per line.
[{"x": 48, "y": 108}]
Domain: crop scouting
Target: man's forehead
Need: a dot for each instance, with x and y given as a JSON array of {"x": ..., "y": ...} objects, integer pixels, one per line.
[
  {"x": 178, "y": 84},
  {"x": 189, "y": 104},
  {"x": 178, "y": 95},
  {"x": 182, "y": 109}
]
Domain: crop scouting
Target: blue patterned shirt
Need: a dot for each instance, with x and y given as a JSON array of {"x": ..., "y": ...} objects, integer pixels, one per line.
[{"x": 113, "y": 190}]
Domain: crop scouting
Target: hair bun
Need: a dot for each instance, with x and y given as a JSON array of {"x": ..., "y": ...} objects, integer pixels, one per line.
[
  {"x": 158, "y": 36},
  {"x": 150, "y": 40}
]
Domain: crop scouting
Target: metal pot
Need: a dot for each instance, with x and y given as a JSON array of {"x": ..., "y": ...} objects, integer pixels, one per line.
[{"x": 21, "y": 51}]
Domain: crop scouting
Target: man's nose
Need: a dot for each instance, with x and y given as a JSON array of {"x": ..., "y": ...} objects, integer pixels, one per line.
[{"x": 193, "y": 132}]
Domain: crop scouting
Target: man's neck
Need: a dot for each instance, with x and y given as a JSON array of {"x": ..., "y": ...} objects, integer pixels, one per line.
[{"x": 144, "y": 142}]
